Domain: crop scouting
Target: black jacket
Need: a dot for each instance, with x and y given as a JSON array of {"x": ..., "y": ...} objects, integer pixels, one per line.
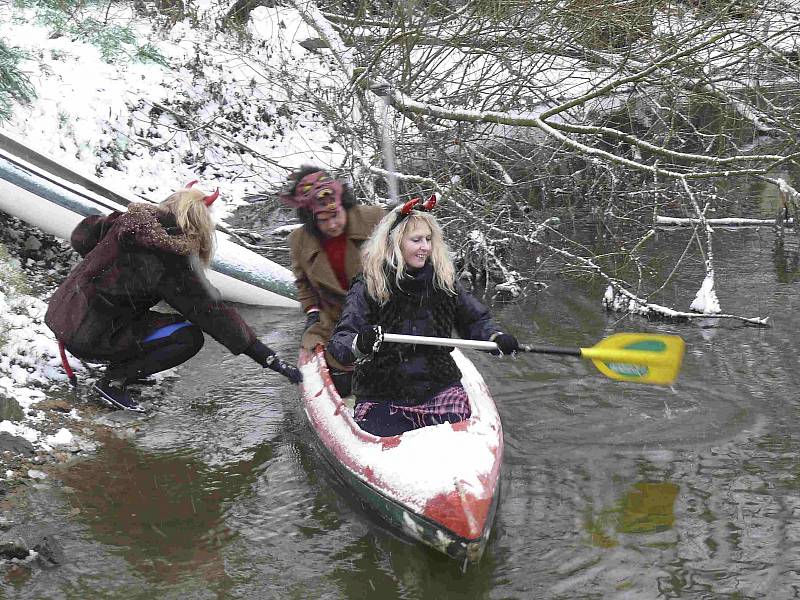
[{"x": 405, "y": 373}]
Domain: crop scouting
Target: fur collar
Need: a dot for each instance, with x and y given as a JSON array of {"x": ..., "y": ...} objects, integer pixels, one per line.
[{"x": 145, "y": 225}]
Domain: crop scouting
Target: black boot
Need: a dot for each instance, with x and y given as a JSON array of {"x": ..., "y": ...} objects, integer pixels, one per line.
[{"x": 115, "y": 394}]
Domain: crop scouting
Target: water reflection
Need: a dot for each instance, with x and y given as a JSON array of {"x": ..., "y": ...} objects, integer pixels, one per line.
[
  {"x": 646, "y": 507},
  {"x": 787, "y": 263},
  {"x": 163, "y": 512}
]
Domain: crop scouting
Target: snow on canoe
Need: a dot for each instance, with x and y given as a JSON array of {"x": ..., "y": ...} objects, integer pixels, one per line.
[
  {"x": 55, "y": 199},
  {"x": 437, "y": 484}
]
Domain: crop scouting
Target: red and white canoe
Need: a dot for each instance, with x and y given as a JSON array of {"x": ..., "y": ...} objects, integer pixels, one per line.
[{"x": 437, "y": 484}]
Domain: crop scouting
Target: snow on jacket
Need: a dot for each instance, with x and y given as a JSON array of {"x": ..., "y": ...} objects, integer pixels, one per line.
[
  {"x": 403, "y": 373},
  {"x": 132, "y": 261}
]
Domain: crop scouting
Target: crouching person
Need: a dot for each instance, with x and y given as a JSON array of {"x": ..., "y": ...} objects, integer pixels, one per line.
[{"x": 131, "y": 261}]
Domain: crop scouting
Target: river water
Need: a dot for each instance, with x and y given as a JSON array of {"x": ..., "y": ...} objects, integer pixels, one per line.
[{"x": 609, "y": 490}]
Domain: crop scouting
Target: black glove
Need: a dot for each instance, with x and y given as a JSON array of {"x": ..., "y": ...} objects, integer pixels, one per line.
[
  {"x": 266, "y": 357},
  {"x": 291, "y": 372},
  {"x": 506, "y": 344},
  {"x": 367, "y": 337},
  {"x": 312, "y": 318}
]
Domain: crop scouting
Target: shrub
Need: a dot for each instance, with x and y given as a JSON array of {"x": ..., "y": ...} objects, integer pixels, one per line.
[
  {"x": 14, "y": 84},
  {"x": 78, "y": 19}
]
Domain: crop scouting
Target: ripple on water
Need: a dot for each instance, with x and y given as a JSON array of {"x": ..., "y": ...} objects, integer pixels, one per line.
[{"x": 593, "y": 412}]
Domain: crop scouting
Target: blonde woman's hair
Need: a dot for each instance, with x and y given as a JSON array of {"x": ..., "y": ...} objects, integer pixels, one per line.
[
  {"x": 194, "y": 219},
  {"x": 382, "y": 253}
]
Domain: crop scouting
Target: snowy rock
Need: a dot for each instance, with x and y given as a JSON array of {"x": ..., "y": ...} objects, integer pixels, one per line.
[
  {"x": 49, "y": 550},
  {"x": 15, "y": 444},
  {"x": 10, "y": 410},
  {"x": 32, "y": 243},
  {"x": 11, "y": 550},
  {"x": 63, "y": 437}
]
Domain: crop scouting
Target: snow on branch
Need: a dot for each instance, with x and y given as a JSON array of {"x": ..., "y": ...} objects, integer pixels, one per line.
[
  {"x": 619, "y": 299},
  {"x": 705, "y": 301},
  {"x": 403, "y": 102}
]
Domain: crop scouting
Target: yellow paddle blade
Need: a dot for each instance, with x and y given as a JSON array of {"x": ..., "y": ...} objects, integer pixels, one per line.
[{"x": 639, "y": 357}]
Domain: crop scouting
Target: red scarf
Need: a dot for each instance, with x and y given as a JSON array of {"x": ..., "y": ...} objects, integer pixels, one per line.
[{"x": 335, "y": 250}]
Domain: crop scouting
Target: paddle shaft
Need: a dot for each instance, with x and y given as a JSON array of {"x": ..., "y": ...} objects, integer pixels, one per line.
[
  {"x": 420, "y": 340},
  {"x": 635, "y": 357}
]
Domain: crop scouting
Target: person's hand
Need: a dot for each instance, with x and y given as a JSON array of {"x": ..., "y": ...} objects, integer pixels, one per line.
[
  {"x": 312, "y": 318},
  {"x": 291, "y": 372},
  {"x": 369, "y": 339},
  {"x": 506, "y": 344}
]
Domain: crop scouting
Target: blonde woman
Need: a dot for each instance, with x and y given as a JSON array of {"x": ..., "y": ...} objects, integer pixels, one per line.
[
  {"x": 408, "y": 286},
  {"x": 131, "y": 261}
]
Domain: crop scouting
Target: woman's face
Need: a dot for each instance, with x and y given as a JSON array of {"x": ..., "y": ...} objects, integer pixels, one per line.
[
  {"x": 415, "y": 245},
  {"x": 332, "y": 224}
]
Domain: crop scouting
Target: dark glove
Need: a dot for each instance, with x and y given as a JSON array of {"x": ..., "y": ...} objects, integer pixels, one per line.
[
  {"x": 312, "y": 318},
  {"x": 367, "y": 337},
  {"x": 266, "y": 357},
  {"x": 291, "y": 372},
  {"x": 506, "y": 344}
]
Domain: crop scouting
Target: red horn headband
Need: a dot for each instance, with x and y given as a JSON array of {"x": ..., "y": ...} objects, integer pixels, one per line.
[
  {"x": 207, "y": 200},
  {"x": 409, "y": 206},
  {"x": 412, "y": 205}
]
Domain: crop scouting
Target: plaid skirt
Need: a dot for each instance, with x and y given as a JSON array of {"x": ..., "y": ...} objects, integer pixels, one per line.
[{"x": 451, "y": 405}]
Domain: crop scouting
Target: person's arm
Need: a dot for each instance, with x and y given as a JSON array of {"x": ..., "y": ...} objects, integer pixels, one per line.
[
  {"x": 185, "y": 288},
  {"x": 90, "y": 231},
  {"x": 306, "y": 295},
  {"x": 352, "y": 320},
  {"x": 473, "y": 321}
]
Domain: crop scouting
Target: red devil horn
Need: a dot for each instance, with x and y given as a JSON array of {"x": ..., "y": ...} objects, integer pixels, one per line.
[
  {"x": 430, "y": 203},
  {"x": 409, "y": 206},
  {"x": 209, "y": 200},
  {"x": 191, "y": 183}
]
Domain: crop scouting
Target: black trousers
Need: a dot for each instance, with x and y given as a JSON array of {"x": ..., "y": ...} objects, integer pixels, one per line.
[{"x": 158, "y": 353}]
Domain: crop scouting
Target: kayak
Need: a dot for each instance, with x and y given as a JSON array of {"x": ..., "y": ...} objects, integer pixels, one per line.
[{"x": 437, "y": 485}]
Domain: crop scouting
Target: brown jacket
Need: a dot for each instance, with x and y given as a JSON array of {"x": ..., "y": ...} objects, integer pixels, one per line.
[{"x": 317, "y": 284}]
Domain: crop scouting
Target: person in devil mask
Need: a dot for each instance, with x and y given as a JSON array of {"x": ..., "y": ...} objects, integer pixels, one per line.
[
  {"x": 326, "y": 254},
  {"x": 133, "y": 260}
]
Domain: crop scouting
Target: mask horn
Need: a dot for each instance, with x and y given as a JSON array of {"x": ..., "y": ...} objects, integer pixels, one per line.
[
  {"x": 430, "y": 203},
  {"x": 191, "y": 183},
  {"x": 209, "y": 200}
]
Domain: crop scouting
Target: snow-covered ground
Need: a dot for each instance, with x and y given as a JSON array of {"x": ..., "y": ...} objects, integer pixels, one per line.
[{"x": 147, "y": 128}]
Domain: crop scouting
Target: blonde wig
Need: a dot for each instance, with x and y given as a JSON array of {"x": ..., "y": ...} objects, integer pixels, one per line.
[
  {"x": 193, "y": 217},
  {"x": 382, "y": 253}
]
